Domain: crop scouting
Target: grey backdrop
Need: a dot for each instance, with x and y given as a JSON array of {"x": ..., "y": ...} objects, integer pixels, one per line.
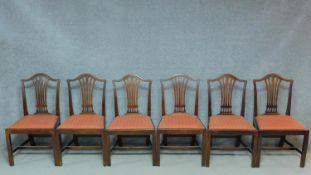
[{"x": 155, "y": 39}]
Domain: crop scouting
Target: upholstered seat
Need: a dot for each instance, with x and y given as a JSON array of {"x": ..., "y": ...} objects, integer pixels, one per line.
[
  {"x": 278, "y": 123},
  {"x": 130, "y": 122},
  {"x": 83, "y": 122},
  {"x": 37, "y": 122},
  {"x": 180, "y": 121},
  {"x": 229, "y": 123}
]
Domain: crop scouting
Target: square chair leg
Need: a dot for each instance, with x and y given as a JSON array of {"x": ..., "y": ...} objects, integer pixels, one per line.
[
  {"x": 204, "y": 149},
  {"x": 208, "y": 147},
  {"x": 154, "y": 150},
  {"x": 106, "y": 149},
  {"x": 9, "y": 147},
  {"x": 259, "y": 145},
  {"x": 254, "y": 150},
  {"x": 158, "y": 149},
  {"x": 304, "y": 149},
  {"x": 57, "y": 149}
]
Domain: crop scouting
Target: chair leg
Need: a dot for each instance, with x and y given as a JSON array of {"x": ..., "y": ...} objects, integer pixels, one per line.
[
  {"x": 203, "y": 147},
  {"x": 282, "y": 141},
  {"x": 259, "y": 142},
  {"x": 56, "y": 149},
  {"x": 9, "y": 147},
  {"x": 164, "y": 141},
  {"x": 193, "y": 140},
  {"x": 106, "y": 149},
  {"x": 119, "y": 141},
  {"x": 238, "y": 141},
  {"x": 304, "y": 148},
  {"x": 31, "y": 140},
  {"x": 148, "y": 140},
  {"x": 154, "y": 149},
  {"x": 158, "y": 151},
  {"x": 254, "y": 150},
  {"x": 208, "y": 147},
  {"x": 75, "y": 140}
]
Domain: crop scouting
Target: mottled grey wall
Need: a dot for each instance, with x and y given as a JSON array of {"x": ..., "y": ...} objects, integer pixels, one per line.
[{"x": 155, "y": 39}]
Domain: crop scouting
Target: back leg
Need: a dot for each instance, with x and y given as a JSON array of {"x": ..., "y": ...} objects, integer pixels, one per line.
[
  {"x": 31, "y": 140},
  {"x": 282, "y": 141}
]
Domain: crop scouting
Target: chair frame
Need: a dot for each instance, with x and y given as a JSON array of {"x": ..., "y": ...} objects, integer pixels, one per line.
[
  {"x": 40, "y": 85},
  {"x": 274, "y": 80},
  {"x": 227, "y": 84},
  {"x": 131, "y": 85},
  {"x": 180, "y": 87},
  {"x": 87, "y": 84}
]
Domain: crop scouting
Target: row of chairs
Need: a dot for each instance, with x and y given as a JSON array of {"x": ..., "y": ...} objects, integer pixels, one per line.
[{"x": 180, "y": 123}]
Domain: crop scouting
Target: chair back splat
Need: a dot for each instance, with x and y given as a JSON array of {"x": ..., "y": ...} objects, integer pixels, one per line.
[
  {"x": 132, "y": 84},
  {"x": 226, "y": 84},
  {"x": 40, "y": 83},
  {"x": 272, "y": 84},
  {"x": 180, "y": 86},
  {"x": 87, "y": 84}
]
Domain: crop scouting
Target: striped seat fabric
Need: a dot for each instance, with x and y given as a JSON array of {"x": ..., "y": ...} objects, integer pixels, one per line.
[
  {"x": 83, "y": 121},
  {"x": 180, "y": 121},
  {"x": 229, "y": 123},
  {"x": 130, "y": 122},
  {"x": 279, "y": 123},
  {"x": 36, "y": 121}
]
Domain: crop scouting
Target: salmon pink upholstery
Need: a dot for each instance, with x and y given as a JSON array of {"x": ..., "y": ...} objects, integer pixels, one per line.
[
  {"x": 130, "y": 122},
  {"x": 229, "y": 123},
  {"x": 83, "y": 121},
  {"x": 180, "y": 121},
  {"x": 278, "y": 123},
  {"x": 37, "y": 121}
]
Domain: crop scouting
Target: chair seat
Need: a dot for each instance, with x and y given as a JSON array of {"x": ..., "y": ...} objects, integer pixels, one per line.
[
  {"x": 83, "y": 122},
  {"x": 278, "y": 123},
  {"x": 229, "y": 123},
  {"x": 131, "y": 122},
  {"x": 180, "y": 121},
  {"x": 35, "y": 122}
]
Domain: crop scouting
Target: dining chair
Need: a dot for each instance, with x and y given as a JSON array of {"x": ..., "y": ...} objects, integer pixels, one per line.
[
  {"x": 41, "y": 123},
  {"x": 180, "y": 123},
  {"x": 86, "y": 123},
  {"x": 226, "y": 124},
  {"x": 274, "y": 124},
  {"x": 133, "y": 122}
]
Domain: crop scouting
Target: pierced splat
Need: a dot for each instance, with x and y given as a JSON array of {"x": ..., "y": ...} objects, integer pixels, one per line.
[
  {"x": 40, "y": 83},
  {"x": 272, "y": 84},
  {"x": 132, "y": 84},
  {"x": 180, "y": 85},
  {"x": 180, "y": 88},
  {"x": 226, "y": 84},
  {"x": 87, "y": 85}
]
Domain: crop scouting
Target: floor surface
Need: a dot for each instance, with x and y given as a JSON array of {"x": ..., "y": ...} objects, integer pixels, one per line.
[{"x": 81, "y": 163}]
